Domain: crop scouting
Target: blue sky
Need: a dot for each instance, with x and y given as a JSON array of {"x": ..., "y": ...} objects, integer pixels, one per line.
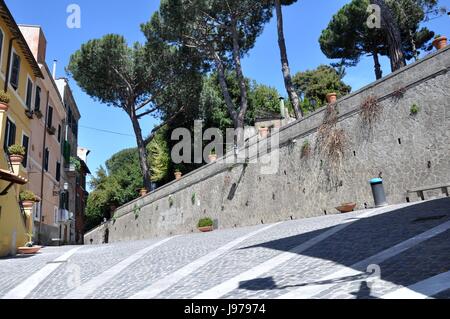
[{"x": 304, "y": 22}]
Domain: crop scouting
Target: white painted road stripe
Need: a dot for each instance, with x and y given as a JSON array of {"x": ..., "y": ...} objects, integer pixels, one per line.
[
  {"x": 89, "y": 287},
  {"x": 359, "y": 268},
  {"x": 233, "y": 283},
  {"x": 168, "y": 281},
  {"x": 423, "y": 289},
  {"x": 26, "y": 287}
]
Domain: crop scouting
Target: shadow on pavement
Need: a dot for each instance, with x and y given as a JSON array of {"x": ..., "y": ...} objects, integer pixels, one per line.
[{"x": 369, "y": 236}]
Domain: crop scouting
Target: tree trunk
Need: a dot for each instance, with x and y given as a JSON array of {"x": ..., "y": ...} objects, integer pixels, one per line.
[
  {"x": 378, "y": 71},
  {"x": 240, "y": 76},
  {"x": 224, "y": 87},
  {"x": 293, "y": 96},
  {"x": 143, "y": 156},
  {"x": 390, "y": 26}
]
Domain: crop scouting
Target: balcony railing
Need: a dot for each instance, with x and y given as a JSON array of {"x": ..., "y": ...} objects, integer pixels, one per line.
[{"x": 64, "y": 216}]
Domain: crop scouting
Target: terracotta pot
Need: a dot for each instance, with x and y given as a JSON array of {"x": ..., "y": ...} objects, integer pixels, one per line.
[
  {"x": 440, "y": 42},
  {"x": 206, "y": 229},
  {"x": 28, "y": 204},
  {"x": 331, "y": 98},
  {"x": 143, "y": 192},
  {"x": 212, "y": 158},
  {"x": 16, "y": 159},
  {"x": 178, "y": 175},
  {"x": 29, "y": 250},
  {"x": 346, "y": 208},
  {"x": 263, "y": 132},
  {"x": 4, "y": 107}
]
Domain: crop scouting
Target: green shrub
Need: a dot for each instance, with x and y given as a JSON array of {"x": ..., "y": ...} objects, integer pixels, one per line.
[
  {"x": 27, "y": 195},
  {"x": 75, "y": 162},
  {"x": 16, "y": 149},
  {"x": 414, "y": 109},
  {"x": 4, "y": 97},
  {"x": 205, "y": 222}
]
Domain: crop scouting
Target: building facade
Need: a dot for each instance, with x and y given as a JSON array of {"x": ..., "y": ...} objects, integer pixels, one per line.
[
  {"x": 73, "y": 168},
  {"x": 52, "y": 217},
  {"x": 19, "y": 72}
]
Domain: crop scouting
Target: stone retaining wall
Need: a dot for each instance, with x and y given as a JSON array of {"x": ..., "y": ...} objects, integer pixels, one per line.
[{"x": 407, "y": 150}]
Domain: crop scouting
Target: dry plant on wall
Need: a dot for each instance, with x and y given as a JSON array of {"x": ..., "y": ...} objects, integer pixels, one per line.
[
  {"x": 371, "y": 110},
  {"x": 398, "y": 93},
  {"x": 331, "y": 141}
]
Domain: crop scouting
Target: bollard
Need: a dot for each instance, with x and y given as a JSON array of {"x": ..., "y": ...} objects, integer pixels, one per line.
[{"x": 379, "y": 195}]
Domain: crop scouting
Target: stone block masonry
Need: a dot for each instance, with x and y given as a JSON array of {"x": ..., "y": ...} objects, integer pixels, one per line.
[{"x": 408, "y": 149}]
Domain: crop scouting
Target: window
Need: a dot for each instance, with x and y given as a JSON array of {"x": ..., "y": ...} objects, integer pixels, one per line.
[
  {"x": 37, "y": 212},
  {"x": 50, "y": 117},
  {"x": 59, "y": 133},
  {"x": 10, "y": 134},
  {"x": 29, "y": 94},
  {"x": 25, "y": 144},
  {"x": 37, "y": 99},
  {"x": 15, "y": 71},
  {"x": 58, "y": 171},
  {"x": 46, "y": 159}
]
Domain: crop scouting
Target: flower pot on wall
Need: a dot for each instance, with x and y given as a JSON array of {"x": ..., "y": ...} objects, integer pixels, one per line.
[
  {"x": 263, "y": 132},
  {"x": 4, "y": 107},
  {"x": 346, "y": 208},
  {"x": 28, "y": 204},
  {"x": 440, "y": 43},
  {"x": 16, "y": 159},
  {"x": 29, "y": 250},
  {"x": 212, "y": 158},
  {"x": 178, "y": 175},
  {"x": 206, "y": 229},
  {"x": 143, "y": 192},
  {"x": 331, "y": 98}
]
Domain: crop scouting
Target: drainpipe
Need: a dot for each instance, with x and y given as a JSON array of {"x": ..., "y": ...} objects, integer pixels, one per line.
[
  {"x": 8, "y": 65},
  {"x": 42, "y": 168}
]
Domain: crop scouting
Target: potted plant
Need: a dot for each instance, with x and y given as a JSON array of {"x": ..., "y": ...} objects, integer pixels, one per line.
[
  {"x": 263, "y": 131},
  {"x": 440, "y": 42},
  {"x": 75, "y": 164},
  {"x": 29, "y": 248},
  {"x": 178, "y": 174},
  {"x": 205, "y": 225},
  {"x": 346, "y": 207},
  {"x": 4, "y": 101},
  {"x": 16, "y": 153},
  {"x": 28, "y": 198},
  {"x": 331, "y": 97},
  {"x": 143, "y": 191},
  {"x": 212, "y": 156}
]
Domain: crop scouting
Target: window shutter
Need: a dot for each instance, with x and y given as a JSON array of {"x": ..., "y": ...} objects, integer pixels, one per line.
[
  {"x": 15, "y": 71},
  {"x": 37, "y": 100},
  {"x": 25, "y": 144},
  {"x": 29, "y": 94}
]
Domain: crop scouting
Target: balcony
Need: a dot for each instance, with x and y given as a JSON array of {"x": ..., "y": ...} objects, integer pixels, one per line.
[{"x": 64, "y": 216}]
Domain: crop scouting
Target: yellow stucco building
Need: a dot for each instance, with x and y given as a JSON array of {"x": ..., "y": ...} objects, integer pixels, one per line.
[{"x": 18, "y": 73}]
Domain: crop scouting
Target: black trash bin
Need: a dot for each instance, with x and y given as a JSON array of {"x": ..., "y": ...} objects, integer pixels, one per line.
[{"x": 379, "y": 195}]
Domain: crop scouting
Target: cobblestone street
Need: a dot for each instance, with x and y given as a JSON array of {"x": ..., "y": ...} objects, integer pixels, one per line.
[{"x": 393, "y": 252}]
